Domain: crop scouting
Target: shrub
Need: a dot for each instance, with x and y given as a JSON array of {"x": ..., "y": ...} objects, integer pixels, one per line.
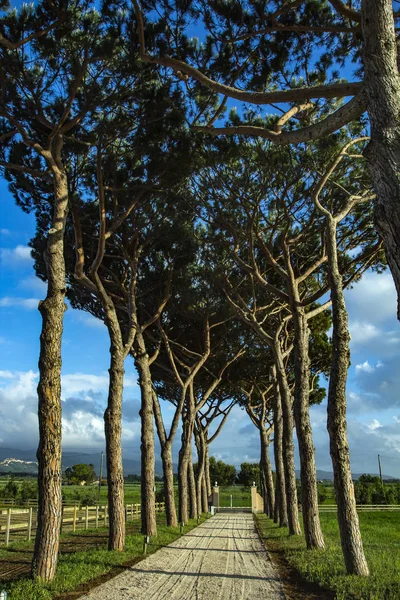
[
  {"x": 29, "y": 490},
  {"x": 10, "y": 490}
]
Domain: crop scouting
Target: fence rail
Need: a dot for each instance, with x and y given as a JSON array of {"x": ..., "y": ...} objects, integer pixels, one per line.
[
  {"x": 362, "y": 507},
  {"x": 20, "y": 523}
]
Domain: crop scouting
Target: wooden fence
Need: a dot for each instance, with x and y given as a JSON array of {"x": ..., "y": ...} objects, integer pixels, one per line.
[
  {"x": 361, "y": 507},
  {"x": 17, "y": 524}
]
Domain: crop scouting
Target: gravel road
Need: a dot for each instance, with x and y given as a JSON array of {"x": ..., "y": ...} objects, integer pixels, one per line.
[{"x": 222, "y": 559}]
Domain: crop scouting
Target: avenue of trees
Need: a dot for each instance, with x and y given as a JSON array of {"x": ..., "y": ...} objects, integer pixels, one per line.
[{"x": 215, "y": 242}]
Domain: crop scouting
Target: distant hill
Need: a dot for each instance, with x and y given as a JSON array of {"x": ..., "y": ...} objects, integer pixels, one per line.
[
  {"x": 13, "y": 460},
  {"x": 328, "y": 475},
  {"x": 16, "y": 465}
]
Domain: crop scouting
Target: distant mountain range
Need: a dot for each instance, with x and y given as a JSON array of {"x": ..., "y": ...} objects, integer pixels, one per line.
[
  {"x": 13, "y": 460},
  {"x": 328, "y": 475}
]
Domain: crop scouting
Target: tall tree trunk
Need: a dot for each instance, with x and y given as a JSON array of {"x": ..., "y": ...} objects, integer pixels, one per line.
[
  {"x": 288, "y": 447},
  {"x": 183, "y": 465},
  {"x": 308, "y": 472},
  {"x": 149, "y": 525},
  {"x": 280, "y": 514},
  {"x": 170, "y": 508},
  {"x": 382, "y": 88},
  {"x": 192, "y": 488},
  {"x": 349, "y": 528},
  {"x": 113, "y": 433},
  {"x": 113, "y": 423},
  {"x": 204, "y": 496},
  {"x": 200, "y": 445},
  {"x": 185, "y": 458},
  {"x": 207, "y": 471},
  {"x": 263, "y": 487},
  {"x": 268, "y": 479},
  {"x": 52, "y": 309}
]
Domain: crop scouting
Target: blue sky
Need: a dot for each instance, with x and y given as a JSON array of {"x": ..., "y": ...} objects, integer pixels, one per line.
[{"x": 373, "y": 389}]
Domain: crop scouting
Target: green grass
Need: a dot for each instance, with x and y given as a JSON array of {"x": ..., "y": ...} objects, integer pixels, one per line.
[
  {"x": 241, "y": 496},
  {"x": 71, "y": 493},
  {"x": 80, "y": 567},
  {"x": 131, "y": 491},
  {"x": 381, "y": 537}
]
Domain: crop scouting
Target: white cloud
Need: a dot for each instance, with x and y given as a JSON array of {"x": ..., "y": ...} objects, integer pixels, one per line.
[
  {"x": 6, "y": 375},
  {"x": 16, "y": 255},
  {"x": 33, "y": 283},
  {"x": 367, "y": 368},
  {"x": 373, "y": 299},
  {"x": 4, "y": 231},
  {"x": 28, "y": 303},
  {"x": 374, "y": 424},
  {"x": 362, "y": 333},
  {"x": 88, "y": 320},
  {"x": 74, "y": 384},
  {"x": 84, "y": 402}
]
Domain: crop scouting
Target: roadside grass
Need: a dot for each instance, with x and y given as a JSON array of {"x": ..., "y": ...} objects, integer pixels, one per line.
[
  {"x": 76, "y": 568},
  {"x": 381, "y": 538}
]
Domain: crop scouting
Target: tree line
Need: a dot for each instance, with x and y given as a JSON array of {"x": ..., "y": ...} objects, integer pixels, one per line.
[{"x": 215, "y": 243}]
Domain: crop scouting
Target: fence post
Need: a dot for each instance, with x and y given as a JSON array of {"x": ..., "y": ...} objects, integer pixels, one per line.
[
  {"x": 105, "y": 515},
  {"x": 30, "y": 523},
  {"x": 8, "y": 523},
  {"x": 74, "y": 519},
  {"x": 136, "y": 511},
  {"x": 97, "y": 516},
  {"x": 87, "y": 517}
]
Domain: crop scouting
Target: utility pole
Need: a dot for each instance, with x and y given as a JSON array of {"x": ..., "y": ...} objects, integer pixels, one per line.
[
  {"x": 101, "y": 474},
  {"x": 380, "y": 470}
]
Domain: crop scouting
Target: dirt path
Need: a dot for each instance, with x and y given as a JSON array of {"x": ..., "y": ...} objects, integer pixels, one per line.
[{"x": 221, "y": 559}]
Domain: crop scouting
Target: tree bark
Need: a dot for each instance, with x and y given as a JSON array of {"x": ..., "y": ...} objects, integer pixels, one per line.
[
  {"x": 185, "y": 456},
  {"x": 183, "y": 464},
  {"x": 288, "y": 447},
  {"x": 113, "y": 423},
  {"x": 149, "y": 525},
  {"x": 204, "y": 496},
  {"x": 207, "y": 472},
  {"x": 52, "y": 309},
  {"x": 192, "y": 488},
  {"x": 166, "y": 457},
  {"x": 382, "y": 88},
  {"x": 349, "y": 528},
  {"x": 263, "y": 487},
  {"x": 183, "y": 486},
  {"x": 113, "y": 433},
  {"x": 200, "y": 487},
  {"x": 308, "y": 473},
  {"x": 170, "y": 508},
  {"x": 268, "y": 479},
  {"x": 280, "y": 514}
]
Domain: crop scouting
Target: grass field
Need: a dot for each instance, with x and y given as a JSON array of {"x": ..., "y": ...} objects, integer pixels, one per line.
[
  {"x": 241, "y": 496},
  {"x": 74, "y": 493},
  {"x": 381, "y": 537},
  {"x": 83, "y": 558}
]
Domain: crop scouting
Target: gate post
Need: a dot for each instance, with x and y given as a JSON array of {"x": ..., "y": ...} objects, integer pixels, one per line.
[
  {"x": 215, "y": 496},
  {"x": 257, "y": 502}
]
